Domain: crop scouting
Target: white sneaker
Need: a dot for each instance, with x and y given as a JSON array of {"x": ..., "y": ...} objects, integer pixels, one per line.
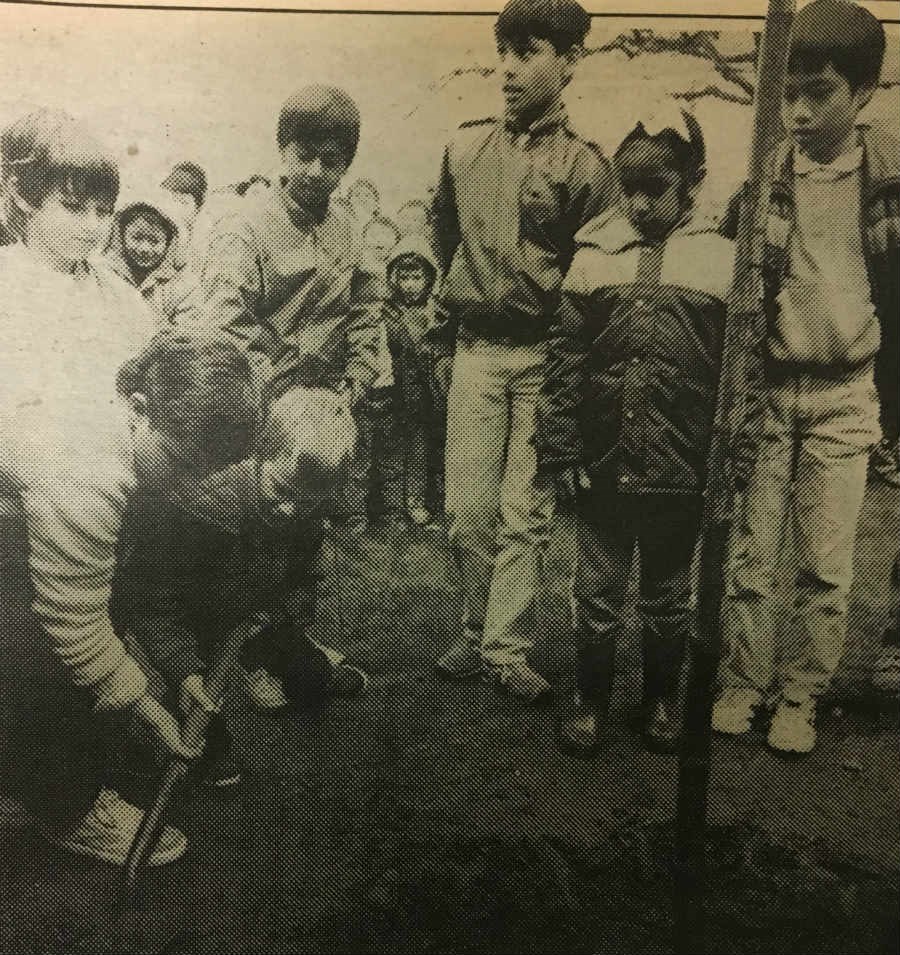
[
  {"x": 733, "y": 710},
  {"x": 266, "y": 692},
  {"x": 793, "y": 729},
  {"x": 109, "y": 828},
  {"x": 462, "y": 660}
]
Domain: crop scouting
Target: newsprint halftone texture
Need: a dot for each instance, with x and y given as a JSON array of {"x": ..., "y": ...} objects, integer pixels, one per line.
[{"x": 449, "y": 478}]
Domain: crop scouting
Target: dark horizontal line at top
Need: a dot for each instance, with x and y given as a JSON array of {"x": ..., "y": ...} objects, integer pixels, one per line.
[{"x": 196, "y": 8}]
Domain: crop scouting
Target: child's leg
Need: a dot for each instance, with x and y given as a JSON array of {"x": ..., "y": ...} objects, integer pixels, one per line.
[
  {"x": 667, "y": 539},
  {"x": 840, "y": 427},
  {"x": 392, "y": 453},
  {"x": 526, "y": 509},
  {"x": 758, "y": 535},
  {"x": 477, "y": 433},
  {"x": 605, "y": 549}
]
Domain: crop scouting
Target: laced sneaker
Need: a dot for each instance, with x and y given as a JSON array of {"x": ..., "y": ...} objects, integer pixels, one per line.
[
  {"x": 518, "y": 679},
  {"x": 734, "y": 709},
  {"x": 419, "y": 514},
  {"x": 109, "y": 828},
  {"x": 462, "y": 661},
  {"x": 578, "y": 732},
  {"x": 793, "y": 729}
]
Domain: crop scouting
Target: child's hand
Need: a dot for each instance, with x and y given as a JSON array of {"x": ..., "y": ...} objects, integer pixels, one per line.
[
  {"x": 570, "y": 482},
  {"x": 164, "y": 727},
  {"x": 192, "y": 695}
]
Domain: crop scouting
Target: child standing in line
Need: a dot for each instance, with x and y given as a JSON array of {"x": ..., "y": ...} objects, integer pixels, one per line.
[
  {"x": 389, "y": 472},
  {"x": 513, "y": 191},
  {"x": 832, "y": 308},
  {"x": 626, "y": 415},
  {"x": 144, "y": 251},
  {"x": 411, "y": 278}
]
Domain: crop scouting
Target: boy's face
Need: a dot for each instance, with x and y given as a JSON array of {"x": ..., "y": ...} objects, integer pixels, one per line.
[
  {"x": 66, "y": 230},
  {"x": 820, "y": 110},
  {"x": 534, "y": 75},
  {"x": 284, "y": 497},
  {"x": 411, "y": 281},
  {"x": 187, "y": 206},
  {"x": 653, "y": 193},
  {"x": 144, "y": 243},
  {"x": 311, "y": 171}
]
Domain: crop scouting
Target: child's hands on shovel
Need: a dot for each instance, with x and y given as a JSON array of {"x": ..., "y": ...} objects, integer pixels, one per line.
[{"x": 164, "y": 727}]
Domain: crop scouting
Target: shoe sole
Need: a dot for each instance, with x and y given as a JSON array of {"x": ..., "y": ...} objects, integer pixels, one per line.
[
  {"x": 223, "y": 782},
  {"x": 155, "y": 859}
]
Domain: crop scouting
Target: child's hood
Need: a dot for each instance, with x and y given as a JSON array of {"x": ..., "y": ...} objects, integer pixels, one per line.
[
  {"x": 413, "y": 245},
  {"x": 164, "y": 205}
]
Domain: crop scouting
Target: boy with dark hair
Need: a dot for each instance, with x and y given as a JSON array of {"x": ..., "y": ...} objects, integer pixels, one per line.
[
  {"x": 832, "y": 316},
  {"x": 626, "y": 416},
  {"x": 282, "y": 274},
  {"x": 513, "y": 191},
  {"x": 187, "y": 181}
]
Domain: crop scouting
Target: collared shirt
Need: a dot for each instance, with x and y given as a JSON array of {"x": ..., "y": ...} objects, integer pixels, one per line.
[
  {"x": 826, "y": 316},
  {"x": 507, "y": 208}
]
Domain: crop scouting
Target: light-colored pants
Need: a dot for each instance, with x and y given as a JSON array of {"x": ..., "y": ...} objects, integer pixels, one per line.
[
  {"x": 814, "y": 456},
  {"x": 499, "y": 510}
]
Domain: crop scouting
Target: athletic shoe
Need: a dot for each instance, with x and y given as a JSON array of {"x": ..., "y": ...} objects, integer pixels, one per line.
[
  {"x": 109, "y": 828},
  {"x": 578, "y": 732},
  {"x": 419, "y": 516},
  {"x": 793, "y": 729},
  {"x": 518, "y": 679},
  {"x": 734, "y": 709},
  {"x": 462, "y": 661}
]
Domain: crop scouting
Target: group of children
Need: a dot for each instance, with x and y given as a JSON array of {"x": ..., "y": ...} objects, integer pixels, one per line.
[{"x": 558, "y": 314}]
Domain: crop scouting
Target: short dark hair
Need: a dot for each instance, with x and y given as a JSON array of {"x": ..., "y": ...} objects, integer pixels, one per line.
[
  {"x": 188, "y": 179},
  {"x": 199, "y": 391},
  {"x": 318, "y": 113},
  {"x": 144, "y": 211},
  {"x": 565, "y": 23},
  {"x": 49, "y": 149},
  {"x": 840, "y": 33}
]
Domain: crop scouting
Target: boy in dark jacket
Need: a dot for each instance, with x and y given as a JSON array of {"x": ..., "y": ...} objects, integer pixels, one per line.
[
  {"x": 513, "y": 191},
  {"x": 626, "y": 415},
  {"x": 832, "y": 316},
  {"x": 390, "y": 473}
]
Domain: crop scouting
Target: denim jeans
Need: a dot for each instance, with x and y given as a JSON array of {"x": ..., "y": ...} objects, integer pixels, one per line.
[
  {"x": 499, "y": 509},
  {"x": 809, "y": 481}
]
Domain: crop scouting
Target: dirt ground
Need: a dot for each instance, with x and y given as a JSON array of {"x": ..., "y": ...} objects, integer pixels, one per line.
[{"x": 428, "y": 817}]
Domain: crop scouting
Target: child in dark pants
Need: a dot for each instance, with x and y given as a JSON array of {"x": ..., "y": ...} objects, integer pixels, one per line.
[
  {"x": 626, "y": 415},
  {"x": 389, "y": 473}
]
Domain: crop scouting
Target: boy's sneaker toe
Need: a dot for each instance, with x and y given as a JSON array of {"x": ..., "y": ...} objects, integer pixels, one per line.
[
  {"x": 793, "y": 729},
  {"x": 734, "y": 709},
  {"x": 462, "y": 661},
  {"x": 108, "y": 830},
  {"x": 266, "y": 691},
  {"x": 518, "y": 679}
]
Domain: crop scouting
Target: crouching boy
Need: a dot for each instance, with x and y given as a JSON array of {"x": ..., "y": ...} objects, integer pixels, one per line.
[
  {"x": 626, "y": 415},
  {"x": 245, "y": 540}
]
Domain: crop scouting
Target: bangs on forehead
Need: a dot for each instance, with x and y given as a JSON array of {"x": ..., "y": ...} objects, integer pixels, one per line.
[
  {"x": 644, "y": 157},
  {"x": 80, "y": 167}
]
